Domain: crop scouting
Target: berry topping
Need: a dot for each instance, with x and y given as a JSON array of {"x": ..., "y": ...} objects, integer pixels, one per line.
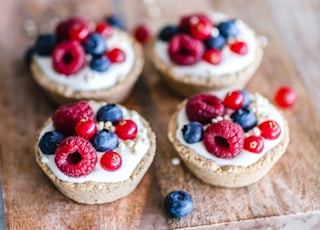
[
  {"x": 247, "y": 98},
  {"x": 185, "y": 50},
  {"x": 62, "y": 30},
  {"x": 192, "y": 132},
  {"x": 142, "y": 33},
  {"x": 111, "y": 161},
  {"x": 100, "y": 64},
  {"x": 68, "y": 57},
  {"x": 224, "y": 139},
  {"x": 86, "y": 128},
  {"x": 213, "y": 56},
  {"x": 50, "y": 141},
  {"x": 116, "y": 55},
  {"x": 168, "y": 32},
  {"x": 270, "y": 129},
  {"x": 216, "y": 42},
  {"x": 95, "y": 44},
  {"x": 66, "y": 117},
  {"x": 186, "y": 21},
  {"x": 239, "y": 47},
  {"x": 178, "y": 204},
  {"x": 75, "y": 156},
  {"x": 110, "y": 112},
  {"x": 104, "y": 29},
  {"x": 285, "y": 97},
  {"x": 45, "y": 44},
  {"x": 126, "y": 129},
  {"x": 78, "y": 29},
  {"x": 254, "y": 144},
  {"x": 234, "y": 100},
  {"x": 105, "y": 140},
  {"x": 245, "y": 118},
  {"x": 228, "y": 28},
  {"x": 115, "y": 21},
  {"x": 200, "y": 28},
  {"x": 204, "y": 107}
]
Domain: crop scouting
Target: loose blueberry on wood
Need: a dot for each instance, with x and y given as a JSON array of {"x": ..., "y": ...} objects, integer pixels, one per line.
[{"x": 178, "y": 204}]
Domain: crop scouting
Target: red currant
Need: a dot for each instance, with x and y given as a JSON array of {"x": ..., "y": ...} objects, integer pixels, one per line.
[
  {"x": 78, "y": 29},
  {"x": 142, "y": 33},
  {"x": 111, "y": 161},
  {"x": 126, "y": 129},
  {"x": 86, "y": 128},
  {"x": 285, "y": 96},
  {"x": 239, "y": 47},
  {"x": 270, "y": 129},
  {"x": 234, "y": 100},
  {"x": 116, "y": 55},
  {"x": 213, "y": 56},
  {"x": 200, "y": 28},
  {"x": 104, "y": 29},
  {"x": 254, "y": 144}
]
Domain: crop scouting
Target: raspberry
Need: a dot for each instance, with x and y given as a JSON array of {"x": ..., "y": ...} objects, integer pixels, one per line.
[
  {"x": 224, "y": 139},
  {"x": 204, "y": 107},
  {"x": 68, "y": 57},
  {"x": 66, "y": 117},
  {"x": 185, "y": 50},
  {"x": 75, "y": 156}
]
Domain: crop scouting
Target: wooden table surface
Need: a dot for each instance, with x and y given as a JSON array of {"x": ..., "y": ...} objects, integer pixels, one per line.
[{"x": 288, "y": 197}]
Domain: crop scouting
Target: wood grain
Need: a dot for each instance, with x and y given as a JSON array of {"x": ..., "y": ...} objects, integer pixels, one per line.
[{"x": 288, "y": 195}]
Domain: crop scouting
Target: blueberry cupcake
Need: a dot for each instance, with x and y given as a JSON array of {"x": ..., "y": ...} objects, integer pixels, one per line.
[
  {"x": 205, "y": 52},
  {"x": 228, "y": 139},
  {"x": 95, "y": 152},
  {"x": 86, "y": 61}
]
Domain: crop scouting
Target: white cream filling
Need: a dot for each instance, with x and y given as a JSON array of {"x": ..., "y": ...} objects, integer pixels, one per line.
[
  {"x": 264, "y": 111},
  {"x": 231, "y": 62},
  {"x": 131, "y": 152},
  {"x": 87, "y": 79}
]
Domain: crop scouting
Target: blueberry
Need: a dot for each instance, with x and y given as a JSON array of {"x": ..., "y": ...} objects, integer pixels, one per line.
[
  {"x": 168, "y": 32},
  {"x": 116, "y": 21},
  {"x": 45, "y": 44},
  {"x": 217, "y": 42},
  {"x": 192, "y": 132},
  {"x": 50, "y": 141},
  {"x": 247, "y": 98},
  {"x": 27, "y": 57},
  {"x": 105, "y": 140},
  {"x": 101, "y": 64},
  {"x": 110, "y": 112},
  {"x": 178, "y": 204},
  {"x": 95, "y": 44},
  {"x": 228, "y": 28},
  {"x": 245, "y": 118}
]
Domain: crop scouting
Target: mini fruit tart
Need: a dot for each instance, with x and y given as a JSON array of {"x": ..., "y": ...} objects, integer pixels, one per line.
[
  {"x": 82, "y": 61},
  {"x": 95, "y": 152},
  {"x": 205, "y": 52},
  {"x": 228, "y": 139}
]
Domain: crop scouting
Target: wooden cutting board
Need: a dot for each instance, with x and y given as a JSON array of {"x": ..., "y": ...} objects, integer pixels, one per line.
[{"x": 288, "y": 197}]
